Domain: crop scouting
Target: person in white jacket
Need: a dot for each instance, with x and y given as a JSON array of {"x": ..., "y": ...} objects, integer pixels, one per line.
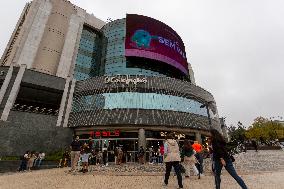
[{"x": 172, "y": 159}]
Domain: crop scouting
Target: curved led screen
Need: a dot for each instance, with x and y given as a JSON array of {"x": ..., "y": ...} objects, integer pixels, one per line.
[{"x": 150, "y": 38}]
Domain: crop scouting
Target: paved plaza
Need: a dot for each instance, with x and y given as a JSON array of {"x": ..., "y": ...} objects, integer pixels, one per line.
[{"x": 266, "y": 171}]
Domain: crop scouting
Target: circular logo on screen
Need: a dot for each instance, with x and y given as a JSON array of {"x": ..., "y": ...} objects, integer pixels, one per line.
[{"x": 142, "y": 39}]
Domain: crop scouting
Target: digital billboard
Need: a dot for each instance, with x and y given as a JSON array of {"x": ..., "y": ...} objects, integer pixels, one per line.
[{"x": 150, "y": 38}]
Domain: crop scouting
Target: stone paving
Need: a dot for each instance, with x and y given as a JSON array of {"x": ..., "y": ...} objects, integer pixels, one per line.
[
  {"x": 249, "y": 162},
  {"x": 252, "y": 161},
  {"x": 261, "y": 170}
]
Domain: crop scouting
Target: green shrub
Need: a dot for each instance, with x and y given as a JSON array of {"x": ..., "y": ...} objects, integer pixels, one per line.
[
  {"x": 54, "y": 156},
  {"x": 9, "y": 158}
]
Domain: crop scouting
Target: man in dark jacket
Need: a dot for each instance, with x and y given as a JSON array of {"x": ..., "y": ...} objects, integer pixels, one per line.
[{"x": 75, "y": 152}]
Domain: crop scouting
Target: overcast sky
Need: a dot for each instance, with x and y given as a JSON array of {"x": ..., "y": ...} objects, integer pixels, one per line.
[{"x": 236, "y": 48}]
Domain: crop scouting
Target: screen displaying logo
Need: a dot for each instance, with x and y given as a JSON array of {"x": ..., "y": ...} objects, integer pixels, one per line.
[
  {"x": 150, "y": 38},
  {"x": 141, "y": 39}
]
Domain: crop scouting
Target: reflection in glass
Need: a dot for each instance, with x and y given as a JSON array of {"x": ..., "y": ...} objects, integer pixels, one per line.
[{"x": 134, "y": 100}]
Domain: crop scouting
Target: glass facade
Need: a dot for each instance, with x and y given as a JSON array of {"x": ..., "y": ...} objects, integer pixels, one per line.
[
  {"x": 87, "y": 61},
  {"x": 104, "y": 54},
  {"x": 114, "y": 58},
  {"x": 134, "y": 100}
]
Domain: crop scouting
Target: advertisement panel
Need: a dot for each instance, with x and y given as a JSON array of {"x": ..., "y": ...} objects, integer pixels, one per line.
[{"x": 150, "y": 38}]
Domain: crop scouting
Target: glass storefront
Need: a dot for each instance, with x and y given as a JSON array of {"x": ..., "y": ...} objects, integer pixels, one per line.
[
  {"x": 128, "y": 142},
  {"x": 134, "y": 100}
]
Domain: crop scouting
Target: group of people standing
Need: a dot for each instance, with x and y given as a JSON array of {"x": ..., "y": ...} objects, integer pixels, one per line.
[
  {"x": 80, "y": 151},
  {"x": 31, "y": 160},
  {"x": 190, "y": 156},
  {"x": 86, "y": 153}
]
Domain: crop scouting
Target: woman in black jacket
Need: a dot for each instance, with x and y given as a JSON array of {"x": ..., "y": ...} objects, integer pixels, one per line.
[{"x": 222, "y": 158}]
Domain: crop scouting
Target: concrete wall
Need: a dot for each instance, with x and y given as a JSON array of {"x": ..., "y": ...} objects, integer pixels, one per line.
[{"x": 29, "y": 131}]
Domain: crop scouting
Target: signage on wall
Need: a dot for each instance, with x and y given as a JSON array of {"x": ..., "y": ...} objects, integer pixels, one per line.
[
  {"x": 115, "y": 133},
  {"x": 150, "y": 38},
  {"x": 125, "y": 79},
  {"x": 177, "y": 135}
]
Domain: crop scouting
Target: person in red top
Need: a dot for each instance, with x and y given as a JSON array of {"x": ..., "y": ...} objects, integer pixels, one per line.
[
  {"x": 161, "y": 154},
  {"x": 198, "y": 148}
]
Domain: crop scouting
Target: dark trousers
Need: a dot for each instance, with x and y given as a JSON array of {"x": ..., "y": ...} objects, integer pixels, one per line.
[
  {"x": 176, "y": 166},
  {"x": 105, "y": 160},
  {"x": 231, "y": 170},
  {"x": 199, "y": 165},
  {"x": 23, "y": 165}
]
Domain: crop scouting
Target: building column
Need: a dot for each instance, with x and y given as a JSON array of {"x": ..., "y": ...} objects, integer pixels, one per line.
[
  {"x": 6, "y": 82},
  {"x": 198, "y": 137},
  {"x": 141, "y": 138},
  {"x": 63, "y": 102},
  {"x": 14, "y": 93},
  {"x": 69, "y": 103}
]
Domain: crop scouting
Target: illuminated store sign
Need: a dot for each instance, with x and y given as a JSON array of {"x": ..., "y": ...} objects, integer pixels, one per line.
[
  {"x": 115, "y": 133},
  {"x": 125, "y": 80},
  {"x": 150, "y": 38}
]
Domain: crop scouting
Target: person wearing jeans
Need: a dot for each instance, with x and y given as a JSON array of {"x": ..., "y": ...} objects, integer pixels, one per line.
[
  {"x": 231, "y": 170},
  {"x": 221, "y": 158},
  {"x": 172, "y": 159}
]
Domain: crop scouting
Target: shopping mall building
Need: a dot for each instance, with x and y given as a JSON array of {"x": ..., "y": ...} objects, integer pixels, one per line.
[{"x": 125, "y": 82}]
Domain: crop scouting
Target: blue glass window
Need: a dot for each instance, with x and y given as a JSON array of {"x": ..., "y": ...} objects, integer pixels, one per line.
[
  {"x": 87, "y": 55},
  {"x": 134, "y": 100}
]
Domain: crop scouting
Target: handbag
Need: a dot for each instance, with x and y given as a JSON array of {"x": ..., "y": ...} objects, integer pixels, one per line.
[
  {"x": 182, "y": 169},
  {"x": 232, "y": 158}
]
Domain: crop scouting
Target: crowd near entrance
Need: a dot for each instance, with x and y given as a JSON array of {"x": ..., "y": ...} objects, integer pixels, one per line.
[{"x": 127, "y": 141}]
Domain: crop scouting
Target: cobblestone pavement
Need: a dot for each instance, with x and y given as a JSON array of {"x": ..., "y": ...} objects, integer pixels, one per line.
[
  {"x": 59, "y": 179},
  {"x": 249, "y": 162},
  {"x": 261, "y": 170}
]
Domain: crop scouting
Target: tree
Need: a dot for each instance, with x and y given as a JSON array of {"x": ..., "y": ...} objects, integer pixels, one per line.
[
  {"x": 264, "y": 130},
  {"x": 237, "y": 134}
]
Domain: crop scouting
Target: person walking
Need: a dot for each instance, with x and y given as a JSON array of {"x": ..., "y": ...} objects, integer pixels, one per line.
[
  {"x": 172, "y": 159},
  {"x": 75, "y": 153},
  {"x": 189, "y": 159},
  {"x": 221, "y": 158},
  {"x": 254, "y": 144},
  {"x": 198, "y": 149},
  {"x": 141, "y": 153}
]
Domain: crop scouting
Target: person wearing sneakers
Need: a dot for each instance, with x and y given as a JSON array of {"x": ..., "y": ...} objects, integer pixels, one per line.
[
  {"x": 172, "y": 159},
  {"x": 198, "y": 148},
  {"x": 189, "y": 159}
]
